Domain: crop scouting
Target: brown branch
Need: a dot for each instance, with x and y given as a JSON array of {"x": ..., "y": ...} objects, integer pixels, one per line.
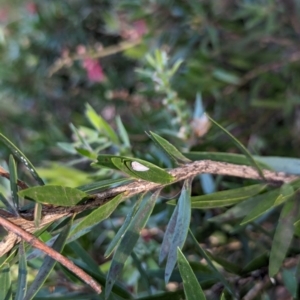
[
  {"x": 6, "y": 175},
  {"x": 36, "y": 243},
  {"x": 50, "y": 213}
]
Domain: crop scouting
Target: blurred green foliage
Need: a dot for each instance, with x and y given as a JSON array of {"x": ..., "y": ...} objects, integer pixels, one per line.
[{"x": 140, "y": 65}]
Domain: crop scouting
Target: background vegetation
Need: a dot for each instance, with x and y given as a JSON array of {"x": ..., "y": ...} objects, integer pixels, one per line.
[{"x": 154, "y": 66}]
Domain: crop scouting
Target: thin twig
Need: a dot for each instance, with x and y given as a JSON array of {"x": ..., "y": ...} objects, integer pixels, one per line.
[
  {"x": 20, "y": 183},
  {"x": 36, "y": 243},
  {"x": 50, "y": 213},
  {"x": 257, "y": 288},
  {"x": 66, "y": 61}
]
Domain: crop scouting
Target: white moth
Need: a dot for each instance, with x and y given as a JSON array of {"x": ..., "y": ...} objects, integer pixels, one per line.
[{"x": 136, "y": 166}]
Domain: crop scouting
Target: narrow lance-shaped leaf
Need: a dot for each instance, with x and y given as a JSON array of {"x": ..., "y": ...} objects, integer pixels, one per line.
[
  {"x": 8, "y": 205},
  {"x": 87, "y": 153},
  {"x": 22, "y": 273},
  {"x": 136, "y": 168},
  {"x": 290, "y": 280},
  {"x": 97, "y": 186},
  {"x": 95, "y": 217},
  {"x": 84, "y": 255},
  {"x": 116, "y": 240},
  {"x": 5, "y": 283},
  {"x": 100, "y": 124},
  {"x": 283, "y": 235},
  {"x": 169, "y": 149},
  {"x": 192, "y": 288},
  {"x": 37, "y": 214},
  {"x": 270, "y": 200},
  {"x": 79, "y": 137},
  {"x": 20, "y": 155},
  {"x": 181, "y": 227},
  {"x": 286, "y": 191},
  {"x": 13, "y": 178},
  {"x": 123, "y": 132},
  {"x": 241, "y": 147},
  {"x": 212, "y": 266},
  {"x": 225, "y": 198},
  {"x": 48, "y": 264},
  {"x": 207, "y": 183},
  {"x": 54, "y": 194},
  {"x": 168, "y": 236},
  {"x": 267, "y": 201},
  {"x": 227, "y": 265},
  {"x": 144, "y": 170},
  {"x": 129, "y": 240},
  {"x": 240, "y": 210}
]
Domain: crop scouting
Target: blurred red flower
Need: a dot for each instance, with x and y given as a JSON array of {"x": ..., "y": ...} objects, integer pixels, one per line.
[
  {"x": 94, "y": 70},
  {"x": 31, "y": 7}
]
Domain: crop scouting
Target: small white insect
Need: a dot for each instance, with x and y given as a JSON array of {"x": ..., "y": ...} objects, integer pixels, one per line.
[{"x": 136, "y": 166}]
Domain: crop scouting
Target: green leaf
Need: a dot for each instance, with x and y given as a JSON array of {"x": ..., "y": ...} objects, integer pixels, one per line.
[
  {"x": 37, "y": 214},
  {"x": 119, "y": 292},
  {"x": 168, "y": 236},
  {"x": 287, "y": 165},
  {"x": 116, "y": 240},
  {"x": 68, "y": 176},
  {"x": 104, "y": 160},
  {"x": 123, "y": 132},
  {"x": 80, "y": 137},
  {"x": 100, "y": 124},
  {"x": 20, "y": 155},
  {"x": 192, "y": 288},
  {"x": 97, "y": 186},
  {"x": 67, "y": 147},
  {"x": 13, "y": 178},
  {"x": 87, "y": 153},
  {"x": 283, "y": 236},
  {"x": 223, "y": 296},
  {"x": 8, "y": 205},
  {"x": 84, "y": 255},
  {"x": 257, "y": 263},
  {"x": 22, "y": 273},
  {"x": 5, "y": 283},
  {"x": 95, "y": 217},
  {"x": 53, "y": 194},
  {"x": 181, "y": 227},
  {"x": 225, "y": 198},
  {"x": 129, "y": 240},
  {"x": 227, "y": 265},
  {"x": 290, "y": 280},
  {"x": 266, "y": 202},
  {"x": 225, "y": 76},
  {"x": 169, "y": 149},
  {"x": 136, "y": 168},
  {"x": 238, "y": 211},
  {"x": 241, "y": 147},
  {"x": 271, "y": 199},
  {"x": 286, "y": 191},
  {"x": 48, "y": 264},
  {"x": 212, "y": 266}
]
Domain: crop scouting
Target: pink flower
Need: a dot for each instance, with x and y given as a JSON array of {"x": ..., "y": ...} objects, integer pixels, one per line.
[
  {"x": 94, "y": 70},
  {"x": 31, "y": 8},
  {"x": 140, "y": 27},
  {"x": 134, "y": 31},
  {"x": 4, "y": 13}
]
